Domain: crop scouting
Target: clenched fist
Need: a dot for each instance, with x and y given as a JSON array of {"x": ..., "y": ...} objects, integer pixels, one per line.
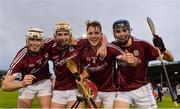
[
  {"x": 131, "y": 59},
  {"x": 28, "y": 79}
]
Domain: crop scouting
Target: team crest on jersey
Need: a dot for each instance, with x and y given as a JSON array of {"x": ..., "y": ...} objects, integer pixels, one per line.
[
  {"x": 136, "y": 53},
  {"x": 71, "y": 48}
]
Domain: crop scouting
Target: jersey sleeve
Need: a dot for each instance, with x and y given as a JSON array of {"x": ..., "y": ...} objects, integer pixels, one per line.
[
  {"x": 16, "y": 67},
  {"x": 48, "y": 43},
  {"x": 115, "y": 50},
  {"x": 82, "y": 44},
  {"x": 151, "y": 53}
]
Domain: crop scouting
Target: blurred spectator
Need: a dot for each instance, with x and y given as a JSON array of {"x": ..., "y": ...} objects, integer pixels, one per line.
[{"x": 160, "y": 94}]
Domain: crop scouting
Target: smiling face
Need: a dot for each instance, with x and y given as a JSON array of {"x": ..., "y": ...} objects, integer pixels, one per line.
[
  {"x": 122, "y": 32},
  {"x": 62, "y": 34},
  {"x": 122, "y": 35},
  {"x": 94, "y": 34},
  {"x": 34, "y": 40},
  {"x": 34, "y": 45},
  {"x": 62, "y": 38}
]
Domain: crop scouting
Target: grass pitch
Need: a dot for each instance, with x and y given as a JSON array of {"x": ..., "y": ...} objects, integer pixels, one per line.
[{"x": 9, "y": 100}]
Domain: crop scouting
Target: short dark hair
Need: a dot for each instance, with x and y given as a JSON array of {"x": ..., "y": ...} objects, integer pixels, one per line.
[{"x": 93, "y": 23}]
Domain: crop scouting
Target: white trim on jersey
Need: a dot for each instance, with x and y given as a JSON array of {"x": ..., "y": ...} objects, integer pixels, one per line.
[
  {"x": 48, "y": 39},
  {"x": 17, "y": 59},
  {"x": 19, "y": 55},
  {"x": 115, "y": 46}
]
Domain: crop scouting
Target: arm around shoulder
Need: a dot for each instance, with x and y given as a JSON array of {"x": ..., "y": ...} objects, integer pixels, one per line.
[{"x": 102, "y": 50}]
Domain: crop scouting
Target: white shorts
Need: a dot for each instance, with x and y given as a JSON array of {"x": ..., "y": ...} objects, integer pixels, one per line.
[
  {"x": 62, "y": 97},
  {"x": 41, "y": 88},
  {"x": 142, "y": 97},
  {"x": 106, "y": 97}
]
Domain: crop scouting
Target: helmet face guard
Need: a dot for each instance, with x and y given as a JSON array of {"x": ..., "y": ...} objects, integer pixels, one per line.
[
  {"x": 122, "y": 24},
  {"x": 34, "y": 40},
  {"x": 35, "y": 33},
  {"x": 63, "y": 26}
]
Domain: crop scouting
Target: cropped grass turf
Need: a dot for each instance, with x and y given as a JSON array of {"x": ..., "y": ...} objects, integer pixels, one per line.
[{"x": 9, "y": 100}]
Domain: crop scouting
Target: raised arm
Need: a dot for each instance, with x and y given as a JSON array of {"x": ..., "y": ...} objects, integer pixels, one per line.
[{"x": 158, "y": 42}]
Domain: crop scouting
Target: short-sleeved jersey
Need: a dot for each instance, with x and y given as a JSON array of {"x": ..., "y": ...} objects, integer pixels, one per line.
[
  {"x": 64, "y": 78},
  {"x": 134, "y": 77},
  {"x": 26, "y": 63},
  {"x": 101, "y": 70}
]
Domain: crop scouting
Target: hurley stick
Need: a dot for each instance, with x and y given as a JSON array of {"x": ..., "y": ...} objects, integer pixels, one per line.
[{"x": 152, "y": 28}]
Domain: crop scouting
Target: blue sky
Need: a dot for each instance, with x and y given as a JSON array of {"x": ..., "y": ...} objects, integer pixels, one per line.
[{"x": 16, "y": 16}]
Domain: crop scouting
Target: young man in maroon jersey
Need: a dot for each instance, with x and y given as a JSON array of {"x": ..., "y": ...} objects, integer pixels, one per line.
[
  {"x": 100, "y": 69},
  {"x": 133, "y": 85},
  {"x": 61, "y": 50},
  {"x": 29, "y": 72}
]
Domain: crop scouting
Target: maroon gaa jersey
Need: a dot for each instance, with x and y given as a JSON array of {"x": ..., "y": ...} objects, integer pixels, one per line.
[
  {"x": 65, "y": 80},
  {"x": 25, "y": 63},
  {"x": 101, "y": 69},
  {"x": 131, "y": 78}
]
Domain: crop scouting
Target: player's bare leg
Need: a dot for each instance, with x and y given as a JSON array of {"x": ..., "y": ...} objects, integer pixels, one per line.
[
  {"x": 57, "y": 105},
  {"x": 106, "y": 106},
  {"x": 120, "y": 104},
  {"x": 44, "y": 101},
  {"x": 98, "y": 104},
  {"x": 24, "y": 103}
]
